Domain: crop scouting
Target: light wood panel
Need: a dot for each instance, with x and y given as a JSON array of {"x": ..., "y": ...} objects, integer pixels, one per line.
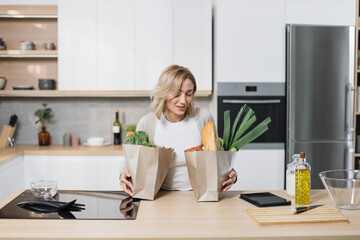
[
  {"x": 28, "y": 9},
  {"x": 55, "y": 93},
  {"x": 176, "y": 214},
  {"x": 27, "y": 71},
  {"x": 269, "y": 216},
  {"x": 28, "y": 52},
  {"x": 36, "y": 30}
]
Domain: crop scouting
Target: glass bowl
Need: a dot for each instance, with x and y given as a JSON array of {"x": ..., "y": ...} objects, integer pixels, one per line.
[
  {"x": 343, "y": 187},
  {"x": 44, "y": 189}
]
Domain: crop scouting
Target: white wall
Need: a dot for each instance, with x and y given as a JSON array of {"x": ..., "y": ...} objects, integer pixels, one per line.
[{"x": 321, "y": 12}]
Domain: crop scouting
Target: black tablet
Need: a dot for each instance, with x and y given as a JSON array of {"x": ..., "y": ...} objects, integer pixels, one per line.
[{"x": 264, "y": 199}]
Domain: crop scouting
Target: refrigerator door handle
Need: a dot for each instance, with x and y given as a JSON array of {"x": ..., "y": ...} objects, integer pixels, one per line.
[
  {"x": 349, "y": 154},
  {"x": 349, "y": 111},
  {"x": 350, "y": 86}
]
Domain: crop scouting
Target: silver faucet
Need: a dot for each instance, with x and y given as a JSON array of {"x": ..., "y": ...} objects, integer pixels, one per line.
[{"x": 11, "y": 141}]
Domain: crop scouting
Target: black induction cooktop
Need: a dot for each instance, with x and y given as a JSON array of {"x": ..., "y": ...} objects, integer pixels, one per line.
[{"x": 112, "y": 205}]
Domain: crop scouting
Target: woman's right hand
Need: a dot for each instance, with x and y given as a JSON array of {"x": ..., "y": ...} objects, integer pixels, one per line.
[{"x": 126, "y": 183}]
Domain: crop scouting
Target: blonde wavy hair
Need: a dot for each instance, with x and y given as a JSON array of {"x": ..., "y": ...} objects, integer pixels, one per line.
[{"x": 168, "y": 86}]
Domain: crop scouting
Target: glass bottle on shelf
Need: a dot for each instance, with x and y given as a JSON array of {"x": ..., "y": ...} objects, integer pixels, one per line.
[
  {"x": 302, "y": 181},
  {"x": 44, "y": 137},
  {"x": 117, "y": 129},
  {"x": 290, "y": 176}
]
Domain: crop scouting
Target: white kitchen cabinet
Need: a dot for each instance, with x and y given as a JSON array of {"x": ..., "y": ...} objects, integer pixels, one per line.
[
  {"x": 193, "y": 39},
  {"x": 321, "y": 12},
  {"x": 75, "y": 172},
  {"x": 260, "y": 169},
  {"x": 11, "y": 177},
  {"x": 77, "y": 45},
  {"x": 153, "y": 41},
  {"x": 181, "y": 33},
  {"x": 96, "y": 45},
  {"x": 116, "y": 45},
  {"x": 249, "y": 38}
]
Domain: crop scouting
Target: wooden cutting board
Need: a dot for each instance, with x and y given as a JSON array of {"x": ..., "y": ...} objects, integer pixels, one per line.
[{"x": 284, "y": 215}]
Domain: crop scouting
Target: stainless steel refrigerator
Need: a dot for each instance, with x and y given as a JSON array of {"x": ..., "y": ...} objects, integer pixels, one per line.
[{"x": 320, "y": 84}]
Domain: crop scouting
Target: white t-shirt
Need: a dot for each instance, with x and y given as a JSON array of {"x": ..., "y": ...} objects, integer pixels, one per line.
[{"x": 179, "y": 136}]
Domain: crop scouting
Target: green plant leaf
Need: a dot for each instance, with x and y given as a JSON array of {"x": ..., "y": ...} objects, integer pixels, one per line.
[
  {"x": 247, "y": 120},
  {"x": 253, "y": 134},
  {"x": 220, "y": 144},
  {"x": 227, "y": 124},
  {"x": 238, "y": 120},
  {"x": 44, "y": 113}
]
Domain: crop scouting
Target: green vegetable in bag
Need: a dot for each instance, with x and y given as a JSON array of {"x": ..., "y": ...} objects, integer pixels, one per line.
[
  {"x": 138, "y": 138},
  {"x": 233, "y": 138}
]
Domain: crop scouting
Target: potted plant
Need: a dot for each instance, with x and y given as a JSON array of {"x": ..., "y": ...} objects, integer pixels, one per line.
[{"x": 44, "y": 115}]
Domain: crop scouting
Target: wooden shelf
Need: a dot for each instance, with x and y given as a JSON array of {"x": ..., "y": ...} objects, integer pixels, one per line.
[
  {"x": 56, "y": 93},
  {"x": 27, "y": 16},
  {"x": 356, "y": 154},
  {"x": 28, "y": 11},
  {"x": 28, "y": 53}
]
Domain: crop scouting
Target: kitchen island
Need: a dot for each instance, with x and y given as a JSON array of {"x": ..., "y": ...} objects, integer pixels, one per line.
[{"x": 176, "y": 214}]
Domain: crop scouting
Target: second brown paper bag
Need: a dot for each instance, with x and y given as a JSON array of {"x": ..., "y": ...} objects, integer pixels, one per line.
[
  {"x": 148, "y": 167},
  {"x": 207, "y": 171}
]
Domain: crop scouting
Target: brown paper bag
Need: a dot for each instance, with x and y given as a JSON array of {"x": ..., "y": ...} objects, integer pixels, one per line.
[
  {"x": 207, "y": 171},
  {"x": 148, "y": 167}
]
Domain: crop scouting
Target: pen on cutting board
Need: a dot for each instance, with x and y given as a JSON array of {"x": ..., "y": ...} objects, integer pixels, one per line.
[{"x": 304, "y": 209}]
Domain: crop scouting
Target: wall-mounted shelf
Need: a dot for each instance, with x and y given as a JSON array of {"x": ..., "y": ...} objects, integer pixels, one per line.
[
  {"x": 35, "y": 23},
  {"x": 56, "y": 93},
  {"x": 28, "y": 11},
  {"x": 28, "y": 53},
  {"x": 27, "y": 16}
]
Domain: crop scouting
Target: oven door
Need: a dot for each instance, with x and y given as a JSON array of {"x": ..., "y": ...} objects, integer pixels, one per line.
[{"x": 263, "y": 106}]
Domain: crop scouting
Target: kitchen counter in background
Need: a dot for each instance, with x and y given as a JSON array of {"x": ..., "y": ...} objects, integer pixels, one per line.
[
  {"x": 73, "y": 168},
  {"x": 176, "y": 214},
  {"x": 6, "y": 154}
]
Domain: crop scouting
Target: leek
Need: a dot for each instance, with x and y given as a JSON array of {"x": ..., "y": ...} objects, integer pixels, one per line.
[{"x": 233, "y": 136}]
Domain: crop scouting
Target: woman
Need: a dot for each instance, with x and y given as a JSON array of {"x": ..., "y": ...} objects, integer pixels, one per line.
[{"x": 175, "y": 123}]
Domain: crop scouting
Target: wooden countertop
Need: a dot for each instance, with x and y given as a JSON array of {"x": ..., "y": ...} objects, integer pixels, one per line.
[
  {"x": 176, "y": 214},
  {"x": 6, "y": 154}
]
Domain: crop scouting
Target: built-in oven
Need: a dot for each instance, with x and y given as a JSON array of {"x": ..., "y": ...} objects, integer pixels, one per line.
[{"x": 266, "y": 99}]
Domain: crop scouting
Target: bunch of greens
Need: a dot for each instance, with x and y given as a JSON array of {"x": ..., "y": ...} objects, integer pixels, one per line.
[
  {"x": 232, "y": 137},
  {"x": 138, "y": 138},
  {"x": 44, "y": 114}
]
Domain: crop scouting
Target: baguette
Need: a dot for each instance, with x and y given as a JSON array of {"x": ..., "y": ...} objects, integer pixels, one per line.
[{"x": 208, "y": 137}]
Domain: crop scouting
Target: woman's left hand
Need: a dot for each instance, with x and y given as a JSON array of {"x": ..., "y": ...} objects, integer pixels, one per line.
[{"x": 228, "y": 183}]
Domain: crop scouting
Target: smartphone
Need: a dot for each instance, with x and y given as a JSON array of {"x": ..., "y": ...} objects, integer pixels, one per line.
[{"x": 265, "y": 199}]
